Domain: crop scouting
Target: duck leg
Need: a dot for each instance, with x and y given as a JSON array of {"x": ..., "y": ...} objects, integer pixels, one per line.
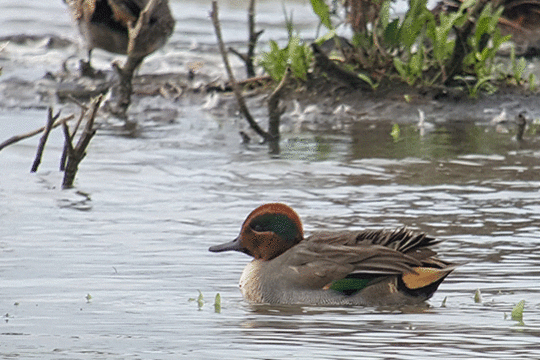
[
  {"x": 85, "y": 66},
  {"x": 139, "y": 35},
  {"x": 120, "y": 94}
]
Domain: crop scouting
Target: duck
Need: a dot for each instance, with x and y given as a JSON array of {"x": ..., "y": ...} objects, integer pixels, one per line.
[
  {"x": 105, "y": 24},
  {"x": 365, "y": 267}
]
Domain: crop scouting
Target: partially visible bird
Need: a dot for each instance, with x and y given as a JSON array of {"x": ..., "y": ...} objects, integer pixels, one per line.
[
  {"x": 105, "y": 24},
  {"x": 520, "y": 18}
]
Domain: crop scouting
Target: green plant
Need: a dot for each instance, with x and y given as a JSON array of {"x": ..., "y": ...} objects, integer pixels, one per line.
[
  {"x": 296, "y": 55},
  {"x": 517, "y": 66},
  {"x": 443, "y": 304},
  {"x": 412, "y": 69},
  {"x": 517, "y": 312},
  {"x": 322, "y": 10},
  {"x": 421, "y": 48},
  {"x": 443, "y": 44},
  {"x": 412, "y": 27},
  {"x": 374, "y": 84},
  {"x": 217, "y": 303},
  {"x": 475, "y": 85},
  {"x": 395, "y": 133},
  {"x": 199, "y": 300},
  {"x": 477, "y": 296},
  {"x": 532, "y": 82},
  {"x": 481, "y": 58}
]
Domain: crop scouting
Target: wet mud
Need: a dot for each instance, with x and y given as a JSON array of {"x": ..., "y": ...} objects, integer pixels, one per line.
[{"x": 318, "y": 104}]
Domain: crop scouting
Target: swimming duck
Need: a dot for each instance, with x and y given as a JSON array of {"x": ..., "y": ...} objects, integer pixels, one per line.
[
  {"x": 370, "y": 267},
  {"x": 105, "y": 24}
]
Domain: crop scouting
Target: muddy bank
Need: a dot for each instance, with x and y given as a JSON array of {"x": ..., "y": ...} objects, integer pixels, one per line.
[
  {"x": 401, "y": 103},
  {"x": 318, "y": 104}
]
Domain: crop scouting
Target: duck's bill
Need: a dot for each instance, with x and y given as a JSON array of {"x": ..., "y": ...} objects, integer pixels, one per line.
[{"x": 232, "y": 245}]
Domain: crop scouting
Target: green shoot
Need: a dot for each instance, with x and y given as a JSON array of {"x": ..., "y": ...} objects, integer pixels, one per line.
[
  {"x": 517, "y": 311},
  {"x": 477, "y": 296},
  {"x": 217, "y": 303}
]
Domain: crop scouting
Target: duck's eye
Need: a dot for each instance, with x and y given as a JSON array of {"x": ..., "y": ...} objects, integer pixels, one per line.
[{"x": 257, "y": 228}]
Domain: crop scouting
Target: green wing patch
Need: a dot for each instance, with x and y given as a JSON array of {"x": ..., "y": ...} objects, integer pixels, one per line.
[{"x": 349, "y": 286}]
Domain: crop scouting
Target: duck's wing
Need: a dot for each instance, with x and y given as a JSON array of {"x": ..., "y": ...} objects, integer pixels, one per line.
[
  {"x": 105, "y": 11},
  {"x": 126, "y": 11},
  {"x": 316, "y": 263},
  {"x": 402, "y": 239},
  {"x": 80, "y": 9},
  {"x": 155, "y": 32}
]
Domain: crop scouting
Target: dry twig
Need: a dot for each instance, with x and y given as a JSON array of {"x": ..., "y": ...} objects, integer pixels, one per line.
[
  {"x": 50, "y": 122},
  {"x": 17, "y": 138},
  {"x": 63, "y": 158},
  {"x": 78, "y": 152},
  {"x": 275, "y": 112},
  {"x": 252, "y": 42},
  {"x": 337, "y": 72},
  {"x": 236, "y": 89}
]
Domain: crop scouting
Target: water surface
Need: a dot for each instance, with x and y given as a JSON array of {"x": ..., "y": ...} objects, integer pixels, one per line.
[{"x": 110, "y": 269}]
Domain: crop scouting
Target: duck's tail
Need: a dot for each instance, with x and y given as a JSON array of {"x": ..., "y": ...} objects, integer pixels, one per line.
[{"x": 424, "y": 281}]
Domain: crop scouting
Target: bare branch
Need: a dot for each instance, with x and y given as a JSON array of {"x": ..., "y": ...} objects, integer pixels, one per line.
[
  {"x": 63, "y": 158},
  {"x": 334, "y": 70},
  {"x": 17, "y": 138},
  {"x": 68, "y": 140},
  {"x": 77, "y": 153},
  {"x": 50, "y": 122},
  {"x": 274, "y": 112},
  {"x": 241, "y": 56},
  {"x": 77, "y": 102},
  {"x": 253, "y": 38},
  {"x": 252, "y": 42},
  {"x": 236, "y": 89}
]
